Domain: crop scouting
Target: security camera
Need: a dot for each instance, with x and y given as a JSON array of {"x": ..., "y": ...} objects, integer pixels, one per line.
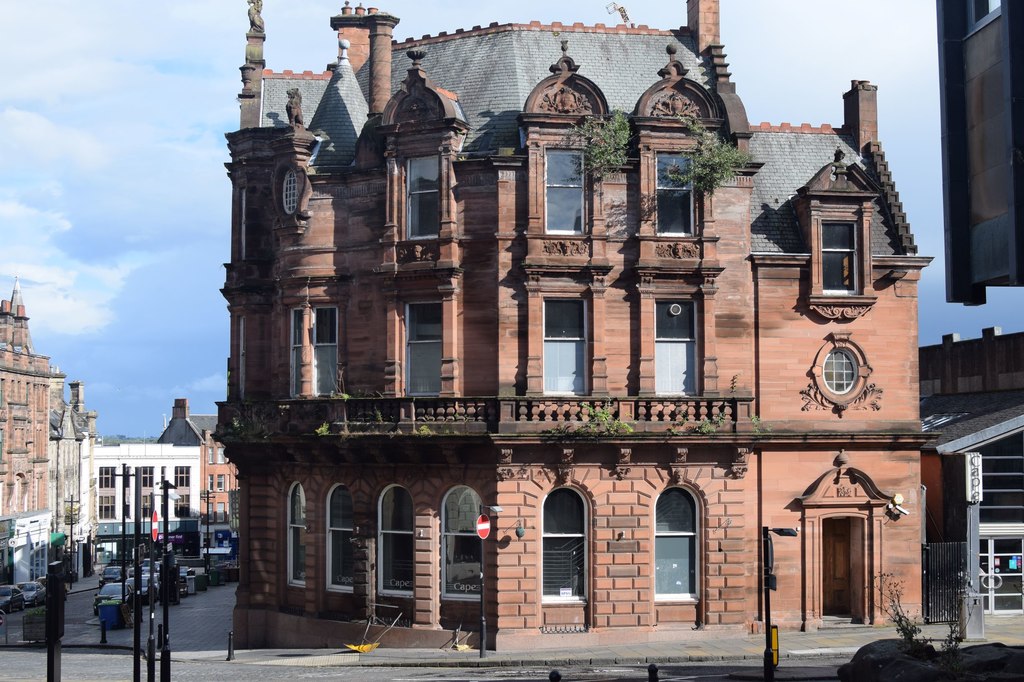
[{"x": 901, "y": 510}]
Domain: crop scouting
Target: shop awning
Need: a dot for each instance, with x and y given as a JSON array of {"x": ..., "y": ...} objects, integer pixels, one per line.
[{"x": 58, "y": 539}]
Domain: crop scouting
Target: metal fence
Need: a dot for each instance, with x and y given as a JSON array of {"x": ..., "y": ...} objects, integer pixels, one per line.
[{"x": 944, "y": 571}]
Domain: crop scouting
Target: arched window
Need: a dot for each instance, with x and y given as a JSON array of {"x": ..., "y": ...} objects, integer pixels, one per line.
[
  {"x": 460, "y": 544},
  {"x": 395, "y": 554},
  {"x": 564, "y": 546},
  {"x": 339, "y": 539},
  {"x": 296, "y": 536},
  {"x": 675, "y": 546}
]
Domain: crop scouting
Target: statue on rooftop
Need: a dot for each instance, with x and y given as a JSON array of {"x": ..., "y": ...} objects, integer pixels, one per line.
[
  {"x": 294, "y": 108},
  {"x": 255, "y": 18}
]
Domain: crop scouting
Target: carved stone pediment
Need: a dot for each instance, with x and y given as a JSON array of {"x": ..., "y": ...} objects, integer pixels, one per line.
[
  {"x": 844, "y": 487},
  {"x": 565, "y": 92},
  {"x": 416, "y": 252},
  {"x": 675, "y": 95},
  {"x": 565, "y": 247},
  {"x": 677, "y": 250},
  {"x": 419, "y": 100}
]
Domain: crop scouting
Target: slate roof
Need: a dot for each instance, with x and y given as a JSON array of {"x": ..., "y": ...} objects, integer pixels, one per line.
[
  {"x": 969, "y": 413},
  {"x": 188, "y": 432}
]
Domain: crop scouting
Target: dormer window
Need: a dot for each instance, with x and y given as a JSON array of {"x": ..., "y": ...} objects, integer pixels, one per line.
[
  {"x": 564, "y": 191},
  {"x": 422, "y": 206},
  {"x": 838, "y": 258},
  {"x": 675, "y": 198}
]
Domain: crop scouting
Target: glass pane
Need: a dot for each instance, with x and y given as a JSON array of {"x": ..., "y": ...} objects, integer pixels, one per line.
[
  {"x": 462, "y": 564},
  {"x": 425, "y": 322},
  {"x": 326, "y": 325},
  {"x": 674, "y": 367},
  {"x": 837, "y": 236},
  {"x": 396, "y": 562},
  {"x": 461, "y": 507},
  {"x": 674, "y": 565},
  {"x": 325, "y": 365},
  {"x": 296, "y": 327},
  {"x": 296, "y": 371},
  {"x": 341, "y": 509},
  {"x": 298, "y": 564},
  {"x": 423, "y": 214},
  {"x": 564, "y": 168},
  {"x": 837, "y": 272},
  {"x": 839, "y": 371},
  {"x": 669, "y": 165},
  {"x": 675, "y": 512},
  {"x": 563, "y": 566},
  {"x": 396, "y": 510},
  {"x": 1001, "y": 515},
  {"x": 425, "y": 367},
  {"x": 1003, "y": 465},
  {"x": 565, "y": 209},
  {"x": 563, "y": 319},
  {"x": 563, "y": 367},
  {"x": 298, "y": 507},
  {"x": 674, "y": 211},
  {"x": 341, "y": 558},
  {"x": 1009, "y": 446},
  {"x": 563, "y": 513},
  {"x": 674, "y": 320},
  {"x": 423, "y": 174}
]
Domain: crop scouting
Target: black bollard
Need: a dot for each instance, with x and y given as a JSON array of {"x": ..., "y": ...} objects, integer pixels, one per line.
[
  {"x": 231, "y": 645},
  {"x": 103, "y": 631},
  {"x": 652, "y": 673},
  {"x": 555, "y": 676}
]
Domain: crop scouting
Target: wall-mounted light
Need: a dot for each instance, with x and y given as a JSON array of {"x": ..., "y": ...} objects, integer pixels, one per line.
[{"x": 520, "y": 532}]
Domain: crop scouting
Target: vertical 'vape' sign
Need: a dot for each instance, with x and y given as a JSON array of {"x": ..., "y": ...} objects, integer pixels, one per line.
[{"x": 973, "y": 477}]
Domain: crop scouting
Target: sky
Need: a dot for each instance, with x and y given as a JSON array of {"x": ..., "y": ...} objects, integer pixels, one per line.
[{"x": 115, "y": 205}]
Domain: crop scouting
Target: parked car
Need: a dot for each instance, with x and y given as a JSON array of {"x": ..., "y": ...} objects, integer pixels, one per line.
[
  {"x": 11, "y": 599},
  {"x": 111, "y": 574},
  {"x": 110, "y": 592},
  {"x": 144, "y": 594},
  {"x": 184, "y": 573},
  {"x": 34, "y": 593}
]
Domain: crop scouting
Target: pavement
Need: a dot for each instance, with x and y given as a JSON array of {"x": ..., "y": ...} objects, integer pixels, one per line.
[{"x": 201, "y": 623}]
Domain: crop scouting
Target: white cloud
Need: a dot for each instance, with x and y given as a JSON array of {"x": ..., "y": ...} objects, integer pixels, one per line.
[{"x": 33, "y": 138}]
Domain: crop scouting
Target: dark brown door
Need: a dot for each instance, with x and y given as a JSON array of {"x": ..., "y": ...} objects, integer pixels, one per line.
[{"x": 836, "y": 567}]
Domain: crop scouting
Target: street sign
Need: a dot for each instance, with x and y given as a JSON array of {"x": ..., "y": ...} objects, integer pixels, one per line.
[
  {"x": 483, "y": 526},
  {"x": 155, "y": 526}
]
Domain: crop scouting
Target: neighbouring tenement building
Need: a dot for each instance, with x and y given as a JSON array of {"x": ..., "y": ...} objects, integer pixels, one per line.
[{"x": 434, "y": 311}]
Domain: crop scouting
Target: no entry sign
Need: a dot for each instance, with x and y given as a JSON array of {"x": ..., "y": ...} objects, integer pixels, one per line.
[
  {"x": 483, "y": 526},
  {"x": 155, "y": 526}
]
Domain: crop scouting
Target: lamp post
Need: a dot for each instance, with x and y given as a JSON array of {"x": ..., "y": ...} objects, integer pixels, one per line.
[
  {"x": 206, "y": 538},
  {"x": 483, "y": 529},
  {"x": 170, "y": 491},
  {"x": 767, "y": 585}
]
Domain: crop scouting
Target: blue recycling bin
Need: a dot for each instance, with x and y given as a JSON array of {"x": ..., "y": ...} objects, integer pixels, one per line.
[{"x": 111, "y": 615}]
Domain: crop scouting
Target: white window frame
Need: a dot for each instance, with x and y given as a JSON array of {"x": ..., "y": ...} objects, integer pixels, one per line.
[
  {"x": 412, "y": 226},
  {"x": 582, "y": 597},
  {"x": 290, "y": 192},
  {"x": 468, "y": 531},
  {"x": 689, "y": 345},
  {"x": 296, "y": 536},
  {"x": 549, "y": 185},
  {"x": 220, "y": 483},
  {"x": 326, "y": 365},
  {"x": 583, "y": 341},
  {"x": 695, "y": 534},
  {"x": 829, "y": 375},
  {"x": 673, "y": 188},
  {"x": 381, "y": 532},
  {"x": 341, "y": 534},
  {"x": 297, "y": 330},
  {"x": 410, "y": 343},
  {"x": 853, "y": 252}
]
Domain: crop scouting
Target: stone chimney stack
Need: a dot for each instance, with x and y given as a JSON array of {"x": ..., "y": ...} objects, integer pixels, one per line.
[
  {"x": 77, "y": 396},
  {"x": 369, "y": 32},
  {"x": 180, "y": 410},
  {"x": 702, "y": 18},
  {"x": 860, "y": 113}
]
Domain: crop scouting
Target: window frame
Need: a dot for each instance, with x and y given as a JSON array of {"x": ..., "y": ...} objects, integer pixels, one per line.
[
  {"x": 695, "y": 557},
  {"x": 690, "y": 345},
  {"x": 660, "y": 189},
  {"x": 296, "y": 531},
  {"x": 339, "y": 534},
  {"x": 852, "y": 252},
  {"x": 330, "y": 365},
  {"x": 410, "y": 342},
  {"x": 452, "y": 535},
  {"x": 297, "y": 329},
  {"x": 850, "y": 373},
  {"x": 107, "y": 476},
  {"x": 581, "y": 598},
  {"x": 582, "y": 340},
  {"x": 549, "y": 186},
  {"x": 381, "y": 532},
  {"x": 412, "y": 228},
  {"x": 290, "y": 192},
  {"x": 107, "y": 504}
]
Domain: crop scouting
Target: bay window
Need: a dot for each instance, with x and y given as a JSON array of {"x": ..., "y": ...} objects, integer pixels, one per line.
[{"x": 422, "y": 207}]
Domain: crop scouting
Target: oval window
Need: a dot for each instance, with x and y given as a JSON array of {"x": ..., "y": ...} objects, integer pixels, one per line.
[
  {"x": 840, "y": 371},
  {"x": 290, "y": 192}
]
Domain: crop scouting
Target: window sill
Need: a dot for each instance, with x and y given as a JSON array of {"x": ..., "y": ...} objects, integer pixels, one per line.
[
  {"x": 298, "y": 584},
  {"x": 460, "y": 597},
  {"x": 340, "y": 589},
  {"x": 567, "y": 601},
  {"x": 676, "y": 599},
  {"x": 394, "y": 593}
]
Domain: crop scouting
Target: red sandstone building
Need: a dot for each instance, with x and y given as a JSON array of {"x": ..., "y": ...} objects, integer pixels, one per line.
[{"x": 433, "y": 311}]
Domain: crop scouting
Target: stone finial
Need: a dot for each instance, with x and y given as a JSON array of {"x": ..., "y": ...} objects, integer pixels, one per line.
[
  {"x": 841, "y": 460},
  {"x": 671, "y": 50},
  {"x": 343, "y": 46},
  {"x": 565, "y": 46},
  {"x": 256, "y": 16},
  {"x": 416, "y": 56}
]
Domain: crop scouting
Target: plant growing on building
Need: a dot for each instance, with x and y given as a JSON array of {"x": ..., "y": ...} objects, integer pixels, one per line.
[
  {"x": 599, "y": 421},
  {"x": 708, "y": 426},
  {"x": 324, "y": 429},
  {"x": 760, "y": 428},
  {"x": 604, "y": 142},
  {"x": 712, "y": 162}
]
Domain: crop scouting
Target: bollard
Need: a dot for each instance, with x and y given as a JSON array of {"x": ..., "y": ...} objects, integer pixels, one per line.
[
  {"x": 231, "y": 645},
  {"x": 555, "y": 676},
  {"x": 103, "y": 631},
  {"x": 160, "y": 634},
  {"x": 652, "y": 673}
]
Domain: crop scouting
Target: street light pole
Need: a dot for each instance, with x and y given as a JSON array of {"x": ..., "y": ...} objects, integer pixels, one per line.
[
  {"x": 768, "y": 584},
  {"x": 206, "y": 562},
  {"x": 168, "y": 566}
]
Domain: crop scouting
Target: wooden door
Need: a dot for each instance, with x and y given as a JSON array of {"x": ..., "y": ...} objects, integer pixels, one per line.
[{"x": 835, "y": 577}]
